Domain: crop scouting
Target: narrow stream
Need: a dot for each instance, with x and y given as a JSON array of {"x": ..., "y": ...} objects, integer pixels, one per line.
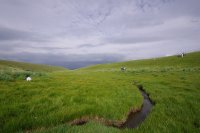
[{"x": 133, "y": 119}]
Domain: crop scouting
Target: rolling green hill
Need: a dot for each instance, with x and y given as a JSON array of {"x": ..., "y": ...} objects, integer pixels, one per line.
[
  {"x": 28, "y": 66},
  {"x": 51, "y": 101},
  {"x": 190, "y": 60}
]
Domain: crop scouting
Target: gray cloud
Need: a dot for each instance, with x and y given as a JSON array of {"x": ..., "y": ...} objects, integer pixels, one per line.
[
  {"x": 71, "y": 61},
  {"x": 93, "y": 31},
  {"x": 11, "y": 34},
  {"x": 86, "y": 46},
  {"x": 133, "y": 40},
  {"x": 90, "y": 45}
]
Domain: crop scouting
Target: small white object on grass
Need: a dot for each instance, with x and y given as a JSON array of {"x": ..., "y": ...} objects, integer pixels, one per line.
[
  {"x": 28, "y": 79},
  {"x": 123, "y": 68},
  {"x": 182, "y": 55}
]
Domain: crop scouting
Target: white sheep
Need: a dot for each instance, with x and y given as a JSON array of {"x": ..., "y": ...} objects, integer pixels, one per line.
[
  {"x": 28, "y": 79},
  {"x": 123, "y": 68}
]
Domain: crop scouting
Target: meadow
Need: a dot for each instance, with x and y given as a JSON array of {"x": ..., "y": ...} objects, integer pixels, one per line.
[{"x": 57, "y": 96}]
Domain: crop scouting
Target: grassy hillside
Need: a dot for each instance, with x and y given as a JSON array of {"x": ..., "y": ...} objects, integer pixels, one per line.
[
  {"x": 191, "y": 60},
  {"x": 13, "y": 65},
  {"x": 60, "y": 96},
  {"x": 50, "y": 102}
]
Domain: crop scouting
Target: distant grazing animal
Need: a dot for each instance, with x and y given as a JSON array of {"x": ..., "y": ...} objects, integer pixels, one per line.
[
  {"x": 181, "y": 55},
  {"x": 123, "y": 68},
  {"x": 28, "y": 79}
]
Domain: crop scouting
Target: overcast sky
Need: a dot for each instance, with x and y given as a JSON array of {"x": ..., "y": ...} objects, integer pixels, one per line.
[{"x": 75, "y": 33}]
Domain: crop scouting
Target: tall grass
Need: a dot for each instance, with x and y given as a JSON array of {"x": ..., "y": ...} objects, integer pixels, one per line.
[{"x": 12, "y": 76}]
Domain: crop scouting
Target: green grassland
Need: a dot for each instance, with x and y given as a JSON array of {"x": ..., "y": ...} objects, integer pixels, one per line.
[
  {"x": 54, "y": 98},
  {"x": 23, "y": 66},
  {"x": 12, "y": 70}
]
